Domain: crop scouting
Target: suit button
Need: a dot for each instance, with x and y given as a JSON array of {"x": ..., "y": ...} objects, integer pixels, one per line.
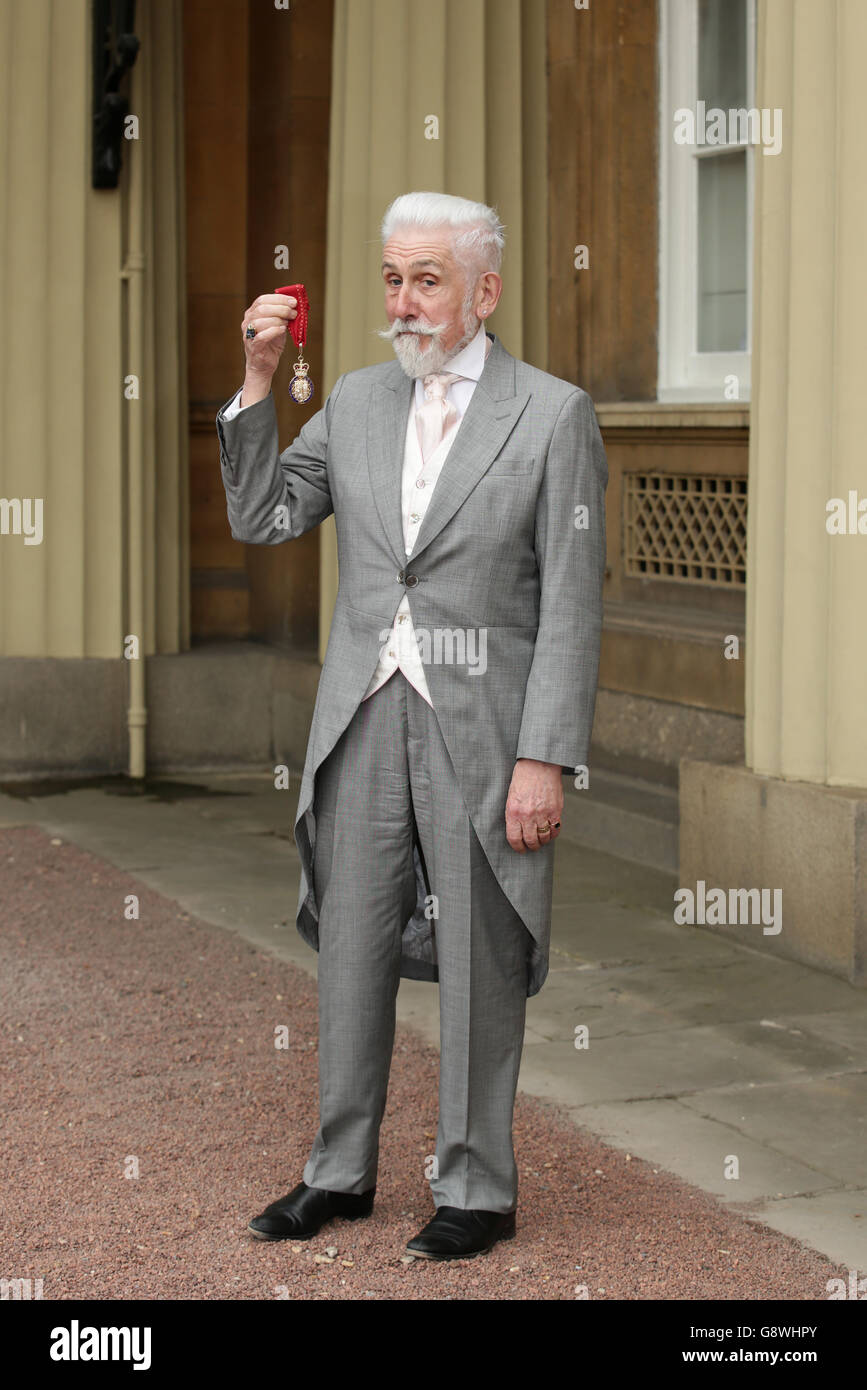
[
  {"x": 411, "y": 581},
  {"x": 400, "y": 576}
]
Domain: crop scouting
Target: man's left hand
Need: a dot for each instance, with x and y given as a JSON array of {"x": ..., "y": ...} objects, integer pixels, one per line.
[{"x": 535, "y": 799}]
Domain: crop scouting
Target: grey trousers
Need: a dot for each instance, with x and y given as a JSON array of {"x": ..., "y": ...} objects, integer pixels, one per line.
[{"x": 388, "y": 779}]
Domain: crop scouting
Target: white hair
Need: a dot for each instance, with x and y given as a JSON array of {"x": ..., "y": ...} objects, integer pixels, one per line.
[{"x": 479, "y": 235}]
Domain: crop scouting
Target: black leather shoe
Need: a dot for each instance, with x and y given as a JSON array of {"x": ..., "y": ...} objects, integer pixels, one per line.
[
  {"x": 455, "y": 1234},
  {"x": 304, "y": 1210}
]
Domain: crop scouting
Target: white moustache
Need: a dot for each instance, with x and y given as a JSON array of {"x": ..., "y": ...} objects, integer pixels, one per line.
[{"x": 389, "y": 334}]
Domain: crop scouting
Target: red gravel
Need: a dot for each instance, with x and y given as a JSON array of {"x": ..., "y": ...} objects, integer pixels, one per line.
[{"x": 155, "y": 1039}]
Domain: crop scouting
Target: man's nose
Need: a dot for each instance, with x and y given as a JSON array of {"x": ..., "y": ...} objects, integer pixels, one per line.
[{"x": 405, "y": 304}]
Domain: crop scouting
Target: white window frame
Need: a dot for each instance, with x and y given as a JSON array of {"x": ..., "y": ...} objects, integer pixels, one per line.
[{"x": 685, "y": 374}]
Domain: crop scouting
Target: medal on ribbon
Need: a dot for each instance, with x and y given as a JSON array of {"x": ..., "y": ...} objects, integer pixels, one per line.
[{"x": 300, "y": 387}]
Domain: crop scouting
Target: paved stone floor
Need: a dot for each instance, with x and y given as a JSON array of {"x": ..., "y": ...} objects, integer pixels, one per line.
[{"x": 701, "y": 1052}]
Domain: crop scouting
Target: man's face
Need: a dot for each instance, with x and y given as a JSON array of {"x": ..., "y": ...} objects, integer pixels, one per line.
[{"x": 428, "y": 301}]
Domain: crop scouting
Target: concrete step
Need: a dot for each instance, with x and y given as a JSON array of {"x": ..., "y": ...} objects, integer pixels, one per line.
[{"x": 624, "y": 816}]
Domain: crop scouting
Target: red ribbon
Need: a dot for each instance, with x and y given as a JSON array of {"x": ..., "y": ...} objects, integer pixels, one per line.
[{"x": 298, "y": 325}]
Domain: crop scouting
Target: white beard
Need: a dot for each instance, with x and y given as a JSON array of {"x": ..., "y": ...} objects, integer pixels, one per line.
[{"x": 420, "y": 353}]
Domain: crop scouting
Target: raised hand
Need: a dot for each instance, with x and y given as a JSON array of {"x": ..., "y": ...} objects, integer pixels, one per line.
[{"x": 269, "y": 315}]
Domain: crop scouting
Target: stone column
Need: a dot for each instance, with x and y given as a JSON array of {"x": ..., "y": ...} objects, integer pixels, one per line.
[
  {"x": 91, "y": 290},
  {"x": 478, "y": 67},
  {"x": 796, "y": 816}
]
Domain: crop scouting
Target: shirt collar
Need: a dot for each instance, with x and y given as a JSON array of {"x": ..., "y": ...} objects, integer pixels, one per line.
[{"x": 469, "y": 362}]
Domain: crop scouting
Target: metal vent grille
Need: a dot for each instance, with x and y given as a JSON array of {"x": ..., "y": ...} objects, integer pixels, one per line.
[{"x": 685, "y": 529}]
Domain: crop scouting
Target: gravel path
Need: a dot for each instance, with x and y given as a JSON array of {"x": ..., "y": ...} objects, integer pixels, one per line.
[{"x": 149, "y": 1044}]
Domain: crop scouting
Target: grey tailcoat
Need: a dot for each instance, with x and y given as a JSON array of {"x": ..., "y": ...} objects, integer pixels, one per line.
[{"x": 504, "y": 548}]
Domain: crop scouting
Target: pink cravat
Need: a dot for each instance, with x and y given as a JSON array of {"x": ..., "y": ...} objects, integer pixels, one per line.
[{"x": 436, "y": 417}]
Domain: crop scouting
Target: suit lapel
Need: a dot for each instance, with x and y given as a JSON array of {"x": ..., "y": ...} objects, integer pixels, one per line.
[
  {"x": 386, "y": 436},
  {"x": 484, "y": 428}
]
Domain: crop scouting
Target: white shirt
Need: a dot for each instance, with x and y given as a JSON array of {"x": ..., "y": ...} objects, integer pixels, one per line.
[{"x": 401, "y": 649}]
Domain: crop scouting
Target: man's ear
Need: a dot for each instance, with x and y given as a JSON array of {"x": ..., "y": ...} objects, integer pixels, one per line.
[{"x": 492, "y": 284}]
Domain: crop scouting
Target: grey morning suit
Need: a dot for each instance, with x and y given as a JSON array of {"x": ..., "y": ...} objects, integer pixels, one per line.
[{"x": 400, "y": 802}]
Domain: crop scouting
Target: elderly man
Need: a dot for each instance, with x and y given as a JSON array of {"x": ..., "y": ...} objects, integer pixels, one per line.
[{"x": 458, "y": 685}]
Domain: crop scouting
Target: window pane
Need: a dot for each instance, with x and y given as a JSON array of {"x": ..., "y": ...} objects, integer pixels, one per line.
[
  {"x": 722, "y": 53},
  {"x": 722, "y": 253}
]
